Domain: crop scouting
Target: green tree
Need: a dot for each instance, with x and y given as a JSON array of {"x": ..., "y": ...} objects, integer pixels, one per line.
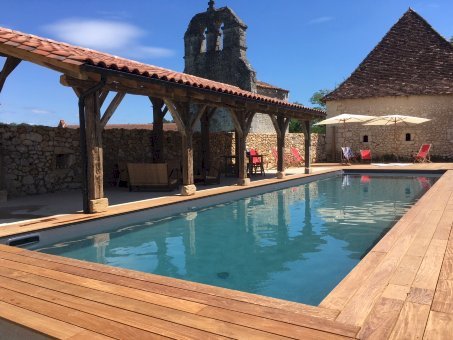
[{"x": 316, "y": 100}]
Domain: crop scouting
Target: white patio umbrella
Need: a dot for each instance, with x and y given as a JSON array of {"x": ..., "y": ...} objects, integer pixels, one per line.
[
  {"x": 346, "y": 118},
  {"x": 394, "y": 120}
]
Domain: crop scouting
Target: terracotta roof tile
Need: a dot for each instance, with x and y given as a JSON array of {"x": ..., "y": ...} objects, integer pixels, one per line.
[
  {"x": 74, "y": 55},
  {"x": 412, "y": 59},
  {"x": 269, "y": 86}
]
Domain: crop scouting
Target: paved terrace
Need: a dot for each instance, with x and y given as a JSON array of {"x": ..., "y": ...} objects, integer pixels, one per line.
[{"x": 402, "y": 289}]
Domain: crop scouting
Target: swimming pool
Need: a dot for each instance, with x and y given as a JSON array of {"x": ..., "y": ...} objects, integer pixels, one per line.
[{"x": 294, "y": 244}]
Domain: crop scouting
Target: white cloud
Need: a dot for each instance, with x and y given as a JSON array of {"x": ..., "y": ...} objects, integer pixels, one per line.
[
  {"x": 38, "y": 110},
  {"x": 320, "y": 20},
  {"x": 106, "y": 35},
  {"x": 41, "y": 112}
]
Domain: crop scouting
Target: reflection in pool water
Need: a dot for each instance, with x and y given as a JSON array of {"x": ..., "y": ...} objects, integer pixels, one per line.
[{"x": 295, "y": 244}]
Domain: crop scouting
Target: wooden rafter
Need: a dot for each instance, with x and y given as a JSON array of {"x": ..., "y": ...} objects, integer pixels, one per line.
[
  {"x": 172, "y": 108},
  {"x": 198, "y": 115},
  {"x": 103, "y": 96},
  {"x": 112, "y": 108},
  {"x": 9, "y": 66},
  {"x": 237, "y": 122}
]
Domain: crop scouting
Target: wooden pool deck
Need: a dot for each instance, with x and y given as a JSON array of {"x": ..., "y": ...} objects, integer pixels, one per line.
[{"x": 403, "y": 289}]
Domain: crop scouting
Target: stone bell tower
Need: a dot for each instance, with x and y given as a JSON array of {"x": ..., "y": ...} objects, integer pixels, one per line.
[{"x": 215, "y": 48}]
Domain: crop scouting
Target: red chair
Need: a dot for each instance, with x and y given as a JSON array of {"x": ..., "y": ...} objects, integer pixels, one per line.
[
  {"x": 299, "y": 160},
  {"x": 365, "y": 155},
  {"x": 286, "y": 158},
  {"x": 256, "y": 162},
  {"x": 423, "y": 154}
]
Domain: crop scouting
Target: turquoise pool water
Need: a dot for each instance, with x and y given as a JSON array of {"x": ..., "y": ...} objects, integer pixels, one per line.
[{"x": 295, "y": 244}]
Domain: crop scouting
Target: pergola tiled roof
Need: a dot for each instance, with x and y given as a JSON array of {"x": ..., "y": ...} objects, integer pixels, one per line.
[
  {"x": 411, "y": 59},
  {"x": 65, "y": 58}
]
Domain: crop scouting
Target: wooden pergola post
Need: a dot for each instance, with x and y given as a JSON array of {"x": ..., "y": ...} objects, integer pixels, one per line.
[
  {"x": 157, "y": 135},
  {"x": 94, "y": 156},
  {"x": 205, "y": 141},
  {"x": 91, "y": 150},
  {"x": 9, "y": 66},
  {"x": 185, "y": 119},
  {"x": 307, "y": 139},
  {"x": 281, "y": 125},
  {"x": 242, "y": 121}
]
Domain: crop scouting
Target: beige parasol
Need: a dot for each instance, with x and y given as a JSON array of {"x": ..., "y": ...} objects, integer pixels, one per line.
[{"x": 396, "y": 119}]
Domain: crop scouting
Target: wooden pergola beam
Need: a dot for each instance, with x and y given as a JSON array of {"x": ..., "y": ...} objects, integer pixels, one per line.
[
  {"x": 306, "y": 125},
  {"x": 116, "y": 101},
  {"x": 184, "y": 93},
  {"x": 281, "y": 125},
  {"x": 157, "y": 135},
  {"x": 9, "y": 66},
  {"x": 103, "y": 96}
]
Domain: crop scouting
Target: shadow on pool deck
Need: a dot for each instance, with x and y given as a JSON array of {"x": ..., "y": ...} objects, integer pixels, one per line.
[{"x": 68, "y": 202}]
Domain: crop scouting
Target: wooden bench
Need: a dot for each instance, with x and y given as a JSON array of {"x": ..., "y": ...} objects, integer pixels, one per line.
[{"x": 151, "y": 176}]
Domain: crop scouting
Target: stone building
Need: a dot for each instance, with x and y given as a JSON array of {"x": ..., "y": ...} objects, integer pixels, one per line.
[
  {"x": 410, "y": 72},
  {"x": 216, "y": 48}
]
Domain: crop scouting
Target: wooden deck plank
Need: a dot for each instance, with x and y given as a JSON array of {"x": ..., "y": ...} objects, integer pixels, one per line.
[
  {"x": 121, "y": 273},
  {"x": 421, "y": 296},
  {"x": 7, "y": 260},
  {"x": 405, "y": 273},
  {"x": 41, "y": 323},
  {"x": 411, "y": 322},
  {"x": 341, "y": 294},
  {"x": 381, "y": 319},
  {"x": 69, "y": 315},
  {"x": 200, "y": 327},
  {"x": 27, "y": 264},
  {"x": 439, "y": 326},
  {"x": 443, "y": 298},
  {"x": 429, "y": 270},
  {"x": 204, "y": 321}
]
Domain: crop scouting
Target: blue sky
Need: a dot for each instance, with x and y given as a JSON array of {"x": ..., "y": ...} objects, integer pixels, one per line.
[{"x": 299, "y": 45}]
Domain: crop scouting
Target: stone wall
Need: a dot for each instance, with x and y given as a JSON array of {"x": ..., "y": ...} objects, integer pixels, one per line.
[
  {"x": 385, "y": 140},
  {"x": 38, "y": 159},
  {"x": 264, "y": 143}
]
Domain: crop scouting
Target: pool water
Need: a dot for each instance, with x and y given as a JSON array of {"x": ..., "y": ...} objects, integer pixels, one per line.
[{"x": 295, "y": 244}]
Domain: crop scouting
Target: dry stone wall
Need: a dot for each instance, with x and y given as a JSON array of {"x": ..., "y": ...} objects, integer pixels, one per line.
[{"x": 39, "y": 159}]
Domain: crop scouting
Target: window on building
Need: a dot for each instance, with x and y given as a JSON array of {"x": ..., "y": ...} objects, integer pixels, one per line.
[
  {"x": 62, "y": 161},
  {"x": 365, "y": 139},
  {"x": 408, "y": 137},
  {"x": 203, "y": 47},
  {"x": 221, "y": 37}
]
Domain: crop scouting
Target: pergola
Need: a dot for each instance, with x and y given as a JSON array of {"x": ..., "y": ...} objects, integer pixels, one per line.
[{"x": 93, "y": 75}]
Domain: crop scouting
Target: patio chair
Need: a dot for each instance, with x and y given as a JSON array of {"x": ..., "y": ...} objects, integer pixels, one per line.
[
  {"x": 423, "y": 154},
  {"x": 152, "y": 176},
  {"x": 212, "y": 176},
  {"x": 347, "y": 155},
  {"x": 298, "y": 159},
  {"x": 365, "y": 155},
  {"x": 286, "y": 157},
  {"x": 256, "y": 162}
]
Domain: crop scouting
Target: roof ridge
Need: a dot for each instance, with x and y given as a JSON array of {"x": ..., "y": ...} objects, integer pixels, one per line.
[{"x": 379, "y": 68}]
